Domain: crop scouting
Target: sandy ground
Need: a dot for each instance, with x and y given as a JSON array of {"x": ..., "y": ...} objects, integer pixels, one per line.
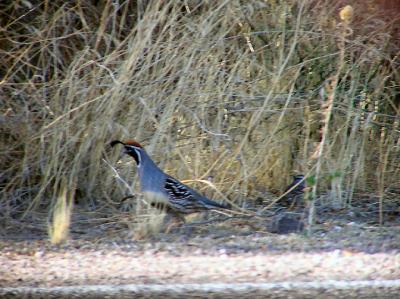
[
  {"x": 344, "y": 246},
  {"x": 116, "y": 266},
  {"x": 235, "y": 251}
]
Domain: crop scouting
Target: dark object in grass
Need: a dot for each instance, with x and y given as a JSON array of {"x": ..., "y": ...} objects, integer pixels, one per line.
[
  {"x": 285, "y": 224},
  {"x": 295, "y": 190}
]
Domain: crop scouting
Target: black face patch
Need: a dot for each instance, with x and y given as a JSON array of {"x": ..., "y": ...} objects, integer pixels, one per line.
[{"x": 133, "y": 152}]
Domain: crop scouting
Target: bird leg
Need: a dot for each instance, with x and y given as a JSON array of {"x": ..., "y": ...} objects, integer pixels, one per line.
[{"x": 173, "y": 219}]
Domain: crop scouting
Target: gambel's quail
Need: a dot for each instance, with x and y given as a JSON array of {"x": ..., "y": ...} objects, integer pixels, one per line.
[
  {"x": 162, "y": 190},
  {"x": 295, "y": 191}
]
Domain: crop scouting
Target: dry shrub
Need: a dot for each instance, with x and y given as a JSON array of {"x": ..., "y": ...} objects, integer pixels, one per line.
[{"x": 229, "y": 90}]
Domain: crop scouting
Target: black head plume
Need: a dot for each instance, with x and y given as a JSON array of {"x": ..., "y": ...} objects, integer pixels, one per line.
[
  {"x": 114, "y": 142},
  {"x": 131, "y": 147}
]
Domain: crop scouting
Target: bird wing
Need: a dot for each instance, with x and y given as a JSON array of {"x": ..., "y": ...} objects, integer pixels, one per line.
[
  {"x": 185, "y": 198},
  {"x": 299, "y": 186}
]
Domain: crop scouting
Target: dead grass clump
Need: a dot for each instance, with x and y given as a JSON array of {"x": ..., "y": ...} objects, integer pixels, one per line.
[
  {"x": 240, "y": 94},
  {"x": 59, "y": 225}
]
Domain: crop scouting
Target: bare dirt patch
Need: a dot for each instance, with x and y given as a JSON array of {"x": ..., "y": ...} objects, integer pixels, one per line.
[{"x": 342, "y": 247}]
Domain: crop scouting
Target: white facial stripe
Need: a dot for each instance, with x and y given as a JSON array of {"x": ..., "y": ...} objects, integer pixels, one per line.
[
  {"x": 137, "y": 151},
  {"x": 139, "y": 157}
]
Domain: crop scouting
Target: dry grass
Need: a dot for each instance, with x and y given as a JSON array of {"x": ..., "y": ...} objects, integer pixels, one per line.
[
  {"x": 243, "y": 93},
  {"x": 58, "y": 227}
]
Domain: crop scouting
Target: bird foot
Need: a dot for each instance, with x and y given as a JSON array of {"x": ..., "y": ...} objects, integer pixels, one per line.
[{"x": 172, "y": 221}]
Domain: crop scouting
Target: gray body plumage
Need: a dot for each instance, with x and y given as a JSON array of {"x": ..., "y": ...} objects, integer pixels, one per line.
[{"x": 162, "y": 189}]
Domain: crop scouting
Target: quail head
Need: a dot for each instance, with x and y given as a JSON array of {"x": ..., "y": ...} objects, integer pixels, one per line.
[{"x": 295, "y": 191}]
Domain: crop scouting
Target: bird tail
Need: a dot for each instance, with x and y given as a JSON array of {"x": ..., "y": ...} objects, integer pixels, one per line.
[{"x": 215, "y": 205}]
